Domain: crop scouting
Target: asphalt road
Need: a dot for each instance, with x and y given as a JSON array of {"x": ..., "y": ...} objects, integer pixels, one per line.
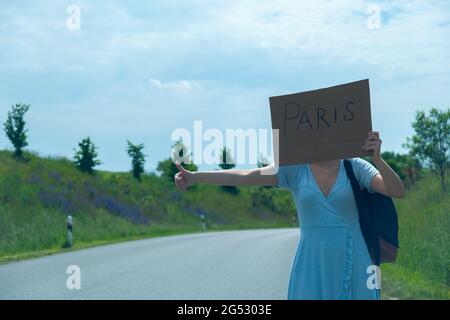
[{"x": 253, "y": 264}]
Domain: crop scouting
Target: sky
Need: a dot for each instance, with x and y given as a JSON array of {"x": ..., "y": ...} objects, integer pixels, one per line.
[{"x": 138, "y": 70}]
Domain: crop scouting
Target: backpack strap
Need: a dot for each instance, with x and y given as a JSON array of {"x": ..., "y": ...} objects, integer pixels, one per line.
[
  {"x": 363, "y": 212},
  {"x": 355, "y": 185}
]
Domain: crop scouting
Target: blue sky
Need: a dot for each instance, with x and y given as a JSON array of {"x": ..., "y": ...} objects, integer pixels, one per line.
[{"x": 140, "y": 69}]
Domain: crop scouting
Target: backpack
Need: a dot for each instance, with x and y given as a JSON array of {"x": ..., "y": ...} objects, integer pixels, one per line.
[{"x": 378, "y": 220}]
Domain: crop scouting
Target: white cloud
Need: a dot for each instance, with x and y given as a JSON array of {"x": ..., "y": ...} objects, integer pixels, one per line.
[
  {"x": 180, "y": 86},
  {"x": 412, "y": 40}
]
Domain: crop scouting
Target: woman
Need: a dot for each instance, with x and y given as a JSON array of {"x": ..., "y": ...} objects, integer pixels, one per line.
[{"x": 332, "y": 259}]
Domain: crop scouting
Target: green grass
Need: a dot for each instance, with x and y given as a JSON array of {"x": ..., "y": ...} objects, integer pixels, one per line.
[
  {"x": 401, "y": 283},
  {"x": 422, "y": 269}
]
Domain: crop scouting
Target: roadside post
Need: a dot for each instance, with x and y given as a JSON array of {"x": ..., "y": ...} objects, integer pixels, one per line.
[
  {"x": 202, "y": 218},
  {"x": 69, "y": 240}
]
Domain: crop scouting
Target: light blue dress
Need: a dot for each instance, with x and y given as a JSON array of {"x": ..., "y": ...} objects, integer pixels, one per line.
[{"x": 331, "y": 260}]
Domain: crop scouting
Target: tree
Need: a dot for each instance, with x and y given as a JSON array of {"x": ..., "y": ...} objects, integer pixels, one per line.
[
  {"x": 180, "y": 152},
  {"x": 85, "y": 156},
  {"x": 431, "y": 141},
  {"x": 15, "y": 127},
  {"x": 226, "y": 163},
  {"x": 137, "y": 159},
  {"x": 406, "y": 166},
  {"x": 262, "y": 161},
  {"x": 226, "y": 160}
]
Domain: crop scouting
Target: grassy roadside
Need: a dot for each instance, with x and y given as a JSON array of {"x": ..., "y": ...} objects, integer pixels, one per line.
[
  {"x": 422, "y": 269},
  {"x": 400, "y": 283},
  {"x": 154, "y": 233},
  {"x": 162, "y": 232}
]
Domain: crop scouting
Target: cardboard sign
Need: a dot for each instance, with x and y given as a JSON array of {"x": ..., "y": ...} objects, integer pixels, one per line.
[{"x": 325, "y": 124}]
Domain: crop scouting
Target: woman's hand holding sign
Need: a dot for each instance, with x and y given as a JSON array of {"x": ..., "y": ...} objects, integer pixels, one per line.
[
  {"x": 373, "y": 143},
  {"x": 387, "y": 182}
]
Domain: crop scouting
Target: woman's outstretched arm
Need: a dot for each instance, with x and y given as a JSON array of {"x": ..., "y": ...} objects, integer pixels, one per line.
[{"x": 233, "y": 177}]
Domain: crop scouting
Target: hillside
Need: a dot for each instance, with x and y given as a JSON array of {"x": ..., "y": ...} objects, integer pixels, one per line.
[{"x": 36, "y": 196}]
